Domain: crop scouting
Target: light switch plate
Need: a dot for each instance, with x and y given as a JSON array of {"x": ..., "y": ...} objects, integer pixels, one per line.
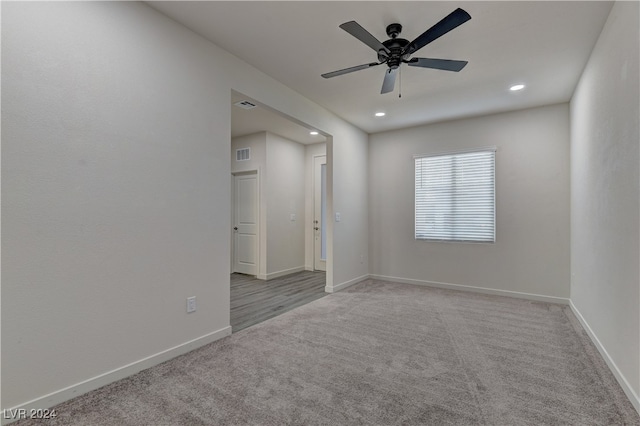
[
  {"x": 191, "y": 304},
  {"x": 338, "y": 217}
]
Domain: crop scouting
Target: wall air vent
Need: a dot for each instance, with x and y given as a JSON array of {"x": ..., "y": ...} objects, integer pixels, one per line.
[
  {"x": 245, "y": 104},
  {"x": 243, "y": 154}
]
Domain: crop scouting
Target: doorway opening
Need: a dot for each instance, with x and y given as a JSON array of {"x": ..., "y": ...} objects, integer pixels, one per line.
[{"x": 279, "y": 235}]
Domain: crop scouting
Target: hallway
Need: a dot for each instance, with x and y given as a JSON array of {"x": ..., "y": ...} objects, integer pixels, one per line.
[{"x": 254, "y": 300}]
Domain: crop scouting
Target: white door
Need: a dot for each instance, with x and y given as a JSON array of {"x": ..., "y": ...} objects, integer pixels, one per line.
[
  {"x": 320, "y": 213},
  {"x": 245, "y": 224}
]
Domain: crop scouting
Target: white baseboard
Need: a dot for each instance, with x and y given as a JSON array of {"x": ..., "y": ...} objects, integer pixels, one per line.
[
  {"x": 62, "y": 395},
  {"x": 342, "y": 286},
  {"x": 624, "y": 384},
  {"x": 497, "y": 292},
  {"x": 284, "y": 272}
]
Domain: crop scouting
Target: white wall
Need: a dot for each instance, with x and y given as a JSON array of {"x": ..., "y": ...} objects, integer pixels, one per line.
[
  {"x": 280, "y": 163},
  {"x": 347, "y": 194},
  {"x": 531, "y": 252},
  {"x": 116, "y": 190},
  {"x": 285, "y": 196},
  {"x": 257, "y": 144},
  {"x": 605, "y": 196}
]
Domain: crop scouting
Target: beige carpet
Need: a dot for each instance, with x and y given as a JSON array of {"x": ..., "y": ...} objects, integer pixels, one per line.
[{"x": 378, "y": 354}]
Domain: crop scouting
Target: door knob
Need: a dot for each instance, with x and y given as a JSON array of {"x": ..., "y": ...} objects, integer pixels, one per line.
[
  {"x": 316, "y": 228},
  {"x": 235, "y": 228}
]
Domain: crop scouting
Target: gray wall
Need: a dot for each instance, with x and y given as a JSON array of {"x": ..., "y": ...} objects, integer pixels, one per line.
[
  {"x": 285, "y": 196},
  {"x": 257, "y": 143},
  {"x": 281, "y": 174},
  {"x": 605, "y": 195},
  {"x": 280, "y": 164},
  {"x": 116, "y": 189},
  {"x": 531, "y": 252}
]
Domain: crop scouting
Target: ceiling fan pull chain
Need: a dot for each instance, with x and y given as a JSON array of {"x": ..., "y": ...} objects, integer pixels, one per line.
[{"x": 400, "y": 85}]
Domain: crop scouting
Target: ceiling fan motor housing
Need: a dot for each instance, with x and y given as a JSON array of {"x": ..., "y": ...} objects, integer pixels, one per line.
[{"x": 395, "y": 45}]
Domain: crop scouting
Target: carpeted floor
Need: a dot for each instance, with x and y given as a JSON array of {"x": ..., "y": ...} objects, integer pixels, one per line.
[{"x": 378, "y": 354}]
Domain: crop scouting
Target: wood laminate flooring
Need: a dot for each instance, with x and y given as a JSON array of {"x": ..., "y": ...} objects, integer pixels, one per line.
[{"x": 254, "y": 300}]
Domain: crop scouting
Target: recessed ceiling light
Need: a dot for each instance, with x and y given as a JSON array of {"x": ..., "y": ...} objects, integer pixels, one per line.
[
  {"x": 516, "y": 87},
  {"x": 314, "y": 133},
  {"x": 380, "y": 114}
]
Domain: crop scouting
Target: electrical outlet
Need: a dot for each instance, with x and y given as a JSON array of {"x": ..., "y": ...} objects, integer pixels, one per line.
[
  {"x": 292, "y": 217},
  {"x": 191, "y": 304}
]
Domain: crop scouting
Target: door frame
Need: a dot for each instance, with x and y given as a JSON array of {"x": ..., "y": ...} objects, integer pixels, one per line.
[{"x": 318, "y": 264}]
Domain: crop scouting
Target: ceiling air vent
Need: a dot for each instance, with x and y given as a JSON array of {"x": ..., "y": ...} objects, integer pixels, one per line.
[
  {"x": 245, "y": 104},
  {"x": 243, "y": 154}
]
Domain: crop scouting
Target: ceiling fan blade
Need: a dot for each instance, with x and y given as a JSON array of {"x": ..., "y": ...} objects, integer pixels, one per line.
[
  {"x": 439, "y": 64},
  {"x": 348, "y": 70},
  {"x": 389, "y": 80},
  {"x": 356, "y": 30},
  {"x": 448, "y": 23}
]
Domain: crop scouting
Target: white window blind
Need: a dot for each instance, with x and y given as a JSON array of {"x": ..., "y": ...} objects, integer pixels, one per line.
[{"x": 455, "y": 196}]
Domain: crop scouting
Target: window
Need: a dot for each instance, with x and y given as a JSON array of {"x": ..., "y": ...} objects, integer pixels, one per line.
[{"x": 455, "y": 196}]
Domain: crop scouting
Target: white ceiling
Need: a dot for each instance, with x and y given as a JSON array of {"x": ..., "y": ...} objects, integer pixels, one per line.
[
  {"x": 543, "y": 44},
  {"x": 262, "y": 118}
]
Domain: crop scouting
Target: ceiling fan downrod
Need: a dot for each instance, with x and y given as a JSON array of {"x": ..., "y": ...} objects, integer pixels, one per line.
[{"x": 393, "y": 54}]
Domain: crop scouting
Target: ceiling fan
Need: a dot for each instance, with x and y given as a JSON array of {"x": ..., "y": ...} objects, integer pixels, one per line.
[{"x": 396, "y": 51}]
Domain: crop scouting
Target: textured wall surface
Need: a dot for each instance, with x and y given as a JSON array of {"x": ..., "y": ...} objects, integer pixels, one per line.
[
  {"x": 605, "y": 193},
  {"x": 116, "y": 189},
  {"x": 531, "y": 252}
]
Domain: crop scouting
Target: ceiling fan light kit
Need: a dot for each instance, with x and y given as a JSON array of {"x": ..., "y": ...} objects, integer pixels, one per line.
[{"x": 396, "y": 51}]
